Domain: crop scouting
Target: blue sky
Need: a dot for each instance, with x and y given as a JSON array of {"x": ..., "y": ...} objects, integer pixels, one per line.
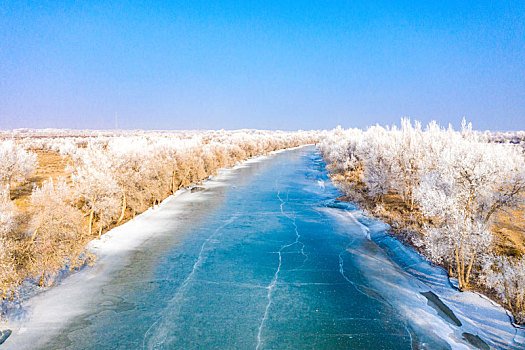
[{"x": 261, "y": 64}]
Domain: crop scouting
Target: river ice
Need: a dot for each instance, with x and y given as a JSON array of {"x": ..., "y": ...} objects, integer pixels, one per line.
[{"x": 257, "y": 260}]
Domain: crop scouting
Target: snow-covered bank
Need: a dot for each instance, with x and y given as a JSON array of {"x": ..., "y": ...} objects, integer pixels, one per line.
[
  {"x": 46, "y": 313},
  {"x": 60, "y": 304},
  {"x": 404, "y": 290}
]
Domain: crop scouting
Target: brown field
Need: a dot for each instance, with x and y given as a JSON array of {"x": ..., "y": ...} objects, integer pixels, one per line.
[
  {"x": 51, "y": 165},
  {"x": 509, "y": 232}
]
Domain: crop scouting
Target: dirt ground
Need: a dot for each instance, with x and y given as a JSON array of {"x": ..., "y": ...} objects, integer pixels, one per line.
[{"x": 51, "y": 165}]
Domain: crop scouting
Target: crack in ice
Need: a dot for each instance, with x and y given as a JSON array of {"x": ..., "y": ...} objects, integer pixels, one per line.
[
  {"x": 270, "y": 288},
  {"x": 228, "y": 283},
  {"x": 297, "y": 240},
  {"x": 273, "y": 282},
  {"x": 181, "y": 289},
  {"x": 342, "y": 272},
  {"x": 294, "y": 223}
]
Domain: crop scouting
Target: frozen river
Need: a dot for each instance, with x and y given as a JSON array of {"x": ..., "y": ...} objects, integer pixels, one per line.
[{"x": 255, "y": 259}]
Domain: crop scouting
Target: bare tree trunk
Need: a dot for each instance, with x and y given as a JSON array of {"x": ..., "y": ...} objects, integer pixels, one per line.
[
  {"x": 35, "y": 232},
  {"x": 124, "y": 205},
  {"x": 77, "y": 257},
  {"x": 91, "y": 213},
  {"x": 458, "y": 269},
  {"x": 492, "y": 211},
  {"x": 469, "y": 269},
  {"x": 42, "y": 277},
  {"x": 508, "y": 296},
  {"x": 412, "y": 201},
  {"x": 173, "y": 182},
  {"x": 100, "y": 232},
  {"x": 462, "y": 269}
]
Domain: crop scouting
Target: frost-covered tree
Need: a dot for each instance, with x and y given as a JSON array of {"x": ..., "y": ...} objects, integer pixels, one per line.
[
  {"x": 341, "y": 149},
  {"x": 16, "y": 164},
  {"x": 8, "y": 272},
  {"x": 408, "y": 150},
  {"x": 128, "y": 160},
  {"x": 506, "y": 276},
  {"x": 57, "y": 236},
  {"x": 377, "y": 157},
  {"x": 471, "y": 181},
  {"x": 457, "y": 180},
  {"x": 94, "y": 181}
]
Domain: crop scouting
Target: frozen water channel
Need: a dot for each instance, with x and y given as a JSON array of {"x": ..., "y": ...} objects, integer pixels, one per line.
[{"x": 255, "y": 259}]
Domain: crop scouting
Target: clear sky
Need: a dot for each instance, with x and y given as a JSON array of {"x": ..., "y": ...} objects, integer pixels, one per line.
[{"x": 261, "y": 64}]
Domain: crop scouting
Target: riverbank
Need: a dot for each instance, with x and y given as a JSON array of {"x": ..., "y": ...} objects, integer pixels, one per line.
[
  {"x": 39, "y": 308},
  {"x": 472, "y": 316},
  {"x": 455, "y": 196},
  {"x": 67, "y": 190}
]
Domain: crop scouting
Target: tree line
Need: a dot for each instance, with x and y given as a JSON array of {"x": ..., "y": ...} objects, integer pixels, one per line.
[
  {"x": 108, "y": 180},
  {"x": 453, "y": 182}
]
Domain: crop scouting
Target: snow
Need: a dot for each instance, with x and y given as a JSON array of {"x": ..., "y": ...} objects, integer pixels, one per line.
[{"x": 478, "y": 314}]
